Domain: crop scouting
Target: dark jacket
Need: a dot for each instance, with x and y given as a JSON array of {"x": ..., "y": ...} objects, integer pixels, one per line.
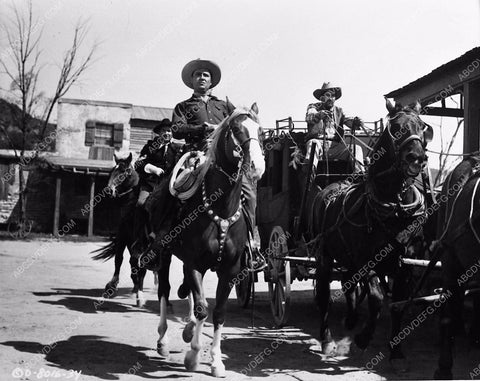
[
  {"x": 190, "y": 115},
  {"x": 161, "y": 155}
]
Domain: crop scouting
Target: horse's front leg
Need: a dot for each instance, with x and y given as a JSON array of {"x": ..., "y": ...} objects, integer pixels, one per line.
[
  {"x": 475, "y": 327},
  {"x": 224, "y": 287},
  {"x": 322, "y": 296},
  {"x": 163, "y": 294},
  {"x": 400, "y": 291},
  {"x": 138, "y": 275},
  {"x": 111, "y": 286},
  {"x": 450, "y": 324},
  {"x": 375, "y": 300},
  {"x": 195, "y": 282},
  {"x": 349, "y": 290}
]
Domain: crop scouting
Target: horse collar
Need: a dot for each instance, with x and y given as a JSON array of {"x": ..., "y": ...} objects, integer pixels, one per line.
[{"x": 223, "y": 224}]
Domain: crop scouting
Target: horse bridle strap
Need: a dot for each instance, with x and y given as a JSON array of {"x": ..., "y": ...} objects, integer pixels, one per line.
[
  {"x": 408, "y": 140},
  {"x": 223, "y": 224},
  {"x": 124, "y": 193}
]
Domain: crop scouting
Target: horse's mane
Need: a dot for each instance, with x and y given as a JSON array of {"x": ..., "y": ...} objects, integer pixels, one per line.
[{"x": 211, "y": 154}]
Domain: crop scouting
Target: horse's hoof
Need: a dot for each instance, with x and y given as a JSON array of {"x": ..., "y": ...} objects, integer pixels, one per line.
[
  {"x": 218, "y": 371},
  {"x": 110, "y": 290},
  {"x": 162, "y": 350},
  {"x": 399, "y": 365},
  {"x": 329, "y": 348},
  {"x": 187, "y": 334},
  {"x": 141, "y": 301},
  {"x": 183, "y": 291},
  {"x": 191, "y": 361}
]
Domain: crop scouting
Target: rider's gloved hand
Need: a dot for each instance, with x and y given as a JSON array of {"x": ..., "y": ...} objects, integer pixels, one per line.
[
  {"x": 209, "y": 128},
  {"x": 357, "y": 122}
]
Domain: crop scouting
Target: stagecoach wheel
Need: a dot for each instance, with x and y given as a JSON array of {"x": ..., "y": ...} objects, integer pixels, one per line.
[
  {"x": 279, "y": 276},
  {"x": 243, "y": 288},
  {"x": 20, "y": 228}
]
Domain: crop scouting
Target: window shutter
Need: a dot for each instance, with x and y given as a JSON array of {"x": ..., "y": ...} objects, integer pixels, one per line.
[
  {"x": 89, "y": 133},
  {"x": 117, "y": 135}
]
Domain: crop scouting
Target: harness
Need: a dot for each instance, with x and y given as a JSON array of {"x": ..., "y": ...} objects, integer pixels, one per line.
[
  {"x": 224, "y": 224},
  {"x": 398, "y": 147}
]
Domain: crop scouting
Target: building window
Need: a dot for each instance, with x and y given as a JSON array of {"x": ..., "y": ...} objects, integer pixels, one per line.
[{"x": 103, "y": 134}]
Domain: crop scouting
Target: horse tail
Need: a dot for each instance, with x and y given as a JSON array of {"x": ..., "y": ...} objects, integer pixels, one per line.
[{"x": 106, "y": 252}]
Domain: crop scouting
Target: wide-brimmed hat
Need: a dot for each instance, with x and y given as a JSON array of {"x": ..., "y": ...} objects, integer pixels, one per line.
[
  {"x": 327, "y": 87},
  {"x": 197, "y": 64},
  {"x": 165, "y": 123}
]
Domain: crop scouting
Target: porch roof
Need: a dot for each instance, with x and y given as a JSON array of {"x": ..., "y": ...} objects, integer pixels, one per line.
[{"x": 77, "y": 165}]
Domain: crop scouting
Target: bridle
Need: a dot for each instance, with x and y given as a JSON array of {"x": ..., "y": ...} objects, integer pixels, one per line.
[
  {"x": 224, "y": 224},
  {"x": 398, "y": 146},
  {"x": 126, "y": 171},
  {"x": 239, "y": 147}
]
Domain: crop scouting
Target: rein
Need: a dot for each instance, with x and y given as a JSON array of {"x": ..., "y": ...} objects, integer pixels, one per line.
[
  {"x": 119, "y": 195},
  {"x": 224, "y": 224}
]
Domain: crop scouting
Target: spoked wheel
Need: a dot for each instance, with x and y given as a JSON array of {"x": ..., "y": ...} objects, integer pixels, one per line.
[
  {"x": 243, "y": 288},
  {"x": 279, "y": 276},
  {"x": 20, "y": 228}
]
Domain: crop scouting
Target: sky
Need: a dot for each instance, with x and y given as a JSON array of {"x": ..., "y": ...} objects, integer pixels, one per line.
[{"x": 273, "y": 52}]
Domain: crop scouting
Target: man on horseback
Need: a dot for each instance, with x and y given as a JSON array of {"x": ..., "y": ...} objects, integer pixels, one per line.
[
  {"x": 195, "y": 119},
  {"x": 325, "y": 123},
  {"x": 157, "y": 159}
]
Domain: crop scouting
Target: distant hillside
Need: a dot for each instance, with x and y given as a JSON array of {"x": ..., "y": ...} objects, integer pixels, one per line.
[{"x": 9, "y": 114}]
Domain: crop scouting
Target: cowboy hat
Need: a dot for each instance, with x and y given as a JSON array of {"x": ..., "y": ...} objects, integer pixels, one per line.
[
  {"x": 327, "y": 87},
  {"x": 197, "y": 64},
  {"x": 165, "y": 123}
]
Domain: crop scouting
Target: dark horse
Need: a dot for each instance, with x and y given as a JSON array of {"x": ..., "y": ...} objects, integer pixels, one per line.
[
  {"x": 458, "y": 233},
  {"x": 123, "y": 186},
  {"x": 211, "y": 230},
  {"x": 362, "y": 226}
]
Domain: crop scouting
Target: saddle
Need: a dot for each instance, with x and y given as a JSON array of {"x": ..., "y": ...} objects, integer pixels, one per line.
[{"x": 187, "y": 175}]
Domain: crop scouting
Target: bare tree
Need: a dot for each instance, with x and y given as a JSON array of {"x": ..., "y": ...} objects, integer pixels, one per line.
[{"x": 21, "y": 63}]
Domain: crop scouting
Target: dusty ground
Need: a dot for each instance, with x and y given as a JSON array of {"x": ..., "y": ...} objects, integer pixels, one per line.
[{"x": 50, "y": 307}]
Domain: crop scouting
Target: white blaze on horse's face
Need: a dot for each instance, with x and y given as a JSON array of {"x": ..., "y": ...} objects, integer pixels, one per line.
[
  {"x": 112, "y": 183},
  {"x": 256, "y": 153}
]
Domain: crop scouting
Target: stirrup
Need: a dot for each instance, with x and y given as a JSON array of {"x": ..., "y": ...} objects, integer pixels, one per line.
[{"x": 255, "y": 260}]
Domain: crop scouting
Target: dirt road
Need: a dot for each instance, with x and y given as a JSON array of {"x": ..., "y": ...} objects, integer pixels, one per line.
[{"x": 54, "y": 325}]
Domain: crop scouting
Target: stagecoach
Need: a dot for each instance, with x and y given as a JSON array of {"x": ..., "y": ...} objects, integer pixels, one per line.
[{"x": 281, "y": 200}]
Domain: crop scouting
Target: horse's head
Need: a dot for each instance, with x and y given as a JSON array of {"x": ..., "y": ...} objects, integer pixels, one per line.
[
  {"x": 410, "y": 136},
  {"x": 120, "y": 180},
  {"x": 401, "y": 149},
  {"x": 242, "y": 133}
]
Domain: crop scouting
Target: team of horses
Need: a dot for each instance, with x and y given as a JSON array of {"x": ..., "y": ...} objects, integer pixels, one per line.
[{"x": 374, "y": 213}]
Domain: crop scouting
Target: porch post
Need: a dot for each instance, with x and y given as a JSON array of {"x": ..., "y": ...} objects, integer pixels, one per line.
[
  {"x": 471, "y": 138},
  {"x": 90, "y": 213},
  {"x": 56, "y": 215}
]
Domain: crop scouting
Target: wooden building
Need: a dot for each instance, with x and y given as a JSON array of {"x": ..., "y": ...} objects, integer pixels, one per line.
[
  {"x": 461, "y": 77},
  {"x": 74, "y": 177}
]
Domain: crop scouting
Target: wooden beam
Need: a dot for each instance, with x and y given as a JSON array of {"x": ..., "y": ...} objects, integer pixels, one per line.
[
  {"x": 56, "y": 214},
  {"x": 440, "y": 84},
  {"x": 471, "y": 135},
  {"x": 444, "y": 111},
  {"x": 90, "y": 213}
]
